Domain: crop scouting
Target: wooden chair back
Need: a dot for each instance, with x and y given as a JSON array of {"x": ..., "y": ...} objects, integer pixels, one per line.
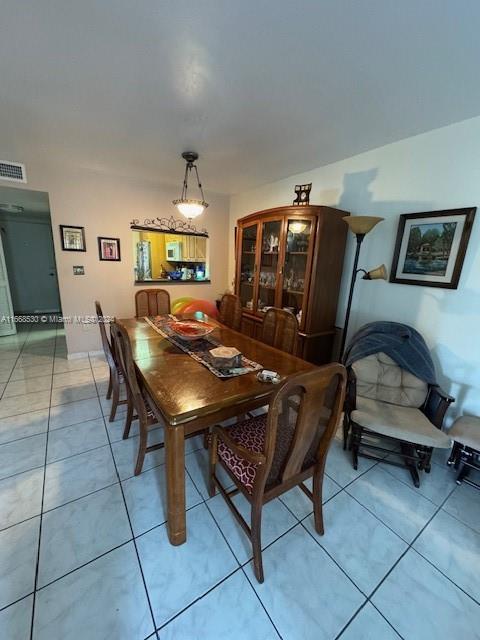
[
  {"x": 107, "y": 346},
  {"x": 151, "y": 302},
  {"x": 280, "y": 330},
  {"x": 230, "y": 312},
  {"x": 126, "y": 363},
  {"x": 321, "y": 393}
]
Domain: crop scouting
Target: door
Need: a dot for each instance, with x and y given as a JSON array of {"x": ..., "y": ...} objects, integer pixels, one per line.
[
  {"x": 31, "y": 266},
  {"x": 270, "y": 260},
  {"x": 7, "y": 326},
  {"x": 297, "y": 265},
  {"x": 247, "y": 266}
]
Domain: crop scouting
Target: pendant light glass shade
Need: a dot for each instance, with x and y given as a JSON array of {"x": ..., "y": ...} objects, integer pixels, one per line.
[{"x": 190, "y": 207}]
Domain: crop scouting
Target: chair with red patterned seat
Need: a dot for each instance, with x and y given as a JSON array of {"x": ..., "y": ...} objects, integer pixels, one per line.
[{"x": 270, "y": 454}]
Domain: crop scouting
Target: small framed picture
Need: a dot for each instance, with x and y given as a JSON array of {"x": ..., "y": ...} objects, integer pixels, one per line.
[
  {"x": 73, "y": 238},
  {"x": 431, "y": 247},
  {"x": 109, "y": 249}
]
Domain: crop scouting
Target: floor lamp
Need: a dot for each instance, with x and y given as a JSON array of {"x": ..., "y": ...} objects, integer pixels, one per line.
[{"x": 360, "y": 226}]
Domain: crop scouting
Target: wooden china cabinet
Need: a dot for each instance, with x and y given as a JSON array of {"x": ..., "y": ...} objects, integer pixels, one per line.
[{"x": 292, "y": 257}]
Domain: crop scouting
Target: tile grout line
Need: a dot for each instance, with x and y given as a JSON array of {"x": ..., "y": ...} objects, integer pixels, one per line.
[
  {"x": 241, "y": 566},
  {"x": 128, "y": 517},
  {"x": 34, "y": 599}
]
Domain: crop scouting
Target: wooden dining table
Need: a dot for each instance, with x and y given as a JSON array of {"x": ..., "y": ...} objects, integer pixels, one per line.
[{"x": 190, "y": 398}]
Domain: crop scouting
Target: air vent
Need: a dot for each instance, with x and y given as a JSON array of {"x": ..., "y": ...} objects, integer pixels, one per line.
[{"x": 12, "y": 171}]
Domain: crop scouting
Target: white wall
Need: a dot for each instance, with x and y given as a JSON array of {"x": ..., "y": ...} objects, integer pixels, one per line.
[
  {"x": 436, "y": 170},
  {"x": 105, "y": 205}
]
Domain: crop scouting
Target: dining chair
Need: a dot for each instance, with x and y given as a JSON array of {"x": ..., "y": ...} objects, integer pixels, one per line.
[
  {"x": 267, "y": 455},
  {"x": 151, "y": 302},
  {"x": 139, "y": 403},
  {"x": 115, "y": 377},
  {"x": 280, "y": 330},
  {"x": 230, "y": 312}
]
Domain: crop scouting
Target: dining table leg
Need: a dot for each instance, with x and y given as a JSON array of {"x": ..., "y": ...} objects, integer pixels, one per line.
[{"x": 175, "y": 471}]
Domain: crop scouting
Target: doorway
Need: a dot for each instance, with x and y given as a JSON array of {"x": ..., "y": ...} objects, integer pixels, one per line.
[{"x": 29, "y": 256}]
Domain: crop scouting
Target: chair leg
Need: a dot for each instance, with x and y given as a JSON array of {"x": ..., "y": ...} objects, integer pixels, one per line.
[
  {"x": 317, "y": 502},
  {"x": 212, "y": 461},
  {"x": 142, "y": 447},
  {"x": 256, "y": 537},
  {"x": 454, "y": 454},
  {"x": 463, "y": 473},
  {"x": 355, "y": 438},
  {"x": 109, "y": 390},
  {"x": 346, "y": 429},
  {"x": 115, "y": 397},
  {"x": 128, "y": 420}
]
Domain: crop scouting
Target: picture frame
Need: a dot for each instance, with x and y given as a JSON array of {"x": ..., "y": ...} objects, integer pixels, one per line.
[
  {"x": 109, "y": 249},
  {"x": 430, "y": 247},
  {"x": 72, "y": 238}
]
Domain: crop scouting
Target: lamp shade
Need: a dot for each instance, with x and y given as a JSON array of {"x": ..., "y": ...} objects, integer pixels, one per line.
[
  {"x": 361, "y": 225},
  {"x": 379, "y": 273}
]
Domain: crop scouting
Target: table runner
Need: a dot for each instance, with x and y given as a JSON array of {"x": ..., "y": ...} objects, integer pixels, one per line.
[{"x": 199, "y": 349}]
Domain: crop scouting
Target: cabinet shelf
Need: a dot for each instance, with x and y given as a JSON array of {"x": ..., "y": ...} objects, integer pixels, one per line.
[{"x": 300, "y": 261}]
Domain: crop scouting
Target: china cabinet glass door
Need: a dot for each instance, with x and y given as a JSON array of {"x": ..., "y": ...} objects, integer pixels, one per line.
[
  {"x": 298, "y": 239},
  {"x": 248, "y": 268},
  {"x": 269, "y": 264}
]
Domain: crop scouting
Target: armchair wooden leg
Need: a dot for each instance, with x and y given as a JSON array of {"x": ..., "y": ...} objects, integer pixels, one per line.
[
  {"x": 463, "y": 473},
  {"x": 454, "y": 454},
  {"x": 317, "y": 502},
  {"x": 256, "y": 537},
  {"x": 355, "y": 438},
  {"x": 346, "y": 429}
]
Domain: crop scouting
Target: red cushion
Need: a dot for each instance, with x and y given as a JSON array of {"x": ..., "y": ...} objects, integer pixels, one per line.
[{"x": 251, "y": 435}]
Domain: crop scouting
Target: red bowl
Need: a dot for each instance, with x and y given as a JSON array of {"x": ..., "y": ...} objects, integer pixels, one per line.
[{"x": 190, "y": 329}]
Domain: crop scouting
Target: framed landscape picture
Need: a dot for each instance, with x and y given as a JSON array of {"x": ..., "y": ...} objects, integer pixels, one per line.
[
  {"x": 73, "y": 238},
  {"x": 431, "y": 247},
  {"x": 109, "y": 249}
]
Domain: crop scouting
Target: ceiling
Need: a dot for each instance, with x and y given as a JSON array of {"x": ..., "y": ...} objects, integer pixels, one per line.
[{"x": 262, "y": 89}]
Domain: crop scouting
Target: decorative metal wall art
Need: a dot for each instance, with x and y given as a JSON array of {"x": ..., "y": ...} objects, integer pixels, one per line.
[{"x": 168, "y": 225}]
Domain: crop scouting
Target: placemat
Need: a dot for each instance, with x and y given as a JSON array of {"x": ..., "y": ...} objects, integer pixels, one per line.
[{"x": 199, "y": 349}]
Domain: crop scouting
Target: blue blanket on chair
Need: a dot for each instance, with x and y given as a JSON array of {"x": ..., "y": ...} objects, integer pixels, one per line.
[{"x": 399, "y": 341}]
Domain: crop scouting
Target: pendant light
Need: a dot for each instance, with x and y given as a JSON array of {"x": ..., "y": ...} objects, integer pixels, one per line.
[{"x": 190, "y": 207}]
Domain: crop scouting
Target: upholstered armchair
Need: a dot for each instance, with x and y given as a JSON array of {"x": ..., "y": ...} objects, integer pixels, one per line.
[{"x": 387, "y": 403}]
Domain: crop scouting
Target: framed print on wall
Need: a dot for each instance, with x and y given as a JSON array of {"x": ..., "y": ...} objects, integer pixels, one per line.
[
  {"x": 73, "y": 238},
  {"x": 109, "y": 249},
  {"x": 431, "y": 247}
]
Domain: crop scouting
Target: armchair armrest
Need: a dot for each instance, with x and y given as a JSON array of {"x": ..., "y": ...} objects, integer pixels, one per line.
[
  {"x": 242, "y": 452},
  {"x": 436, "y": 405}
]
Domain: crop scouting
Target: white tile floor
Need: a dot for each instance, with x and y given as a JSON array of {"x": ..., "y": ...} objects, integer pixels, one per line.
[{"x": 84, "y": 551}]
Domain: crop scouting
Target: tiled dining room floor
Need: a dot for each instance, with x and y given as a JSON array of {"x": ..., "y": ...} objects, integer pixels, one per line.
[{"x": 84, "y": 553}]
